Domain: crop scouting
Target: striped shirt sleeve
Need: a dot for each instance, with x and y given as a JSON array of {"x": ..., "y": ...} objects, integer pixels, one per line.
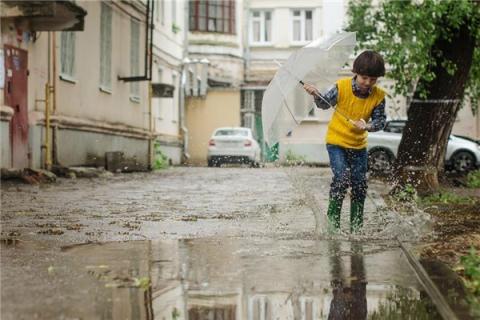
[
  {"x": 378, "y": 119},
  {"x": 328, "y": 99}
]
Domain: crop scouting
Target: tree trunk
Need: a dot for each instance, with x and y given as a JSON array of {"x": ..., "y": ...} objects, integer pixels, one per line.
[{"x": 421, "y": 153}]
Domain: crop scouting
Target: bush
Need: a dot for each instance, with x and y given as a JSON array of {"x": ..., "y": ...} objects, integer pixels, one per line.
[
  {"x": 473, "y": 179},
  {"x": 471, "y": 268},
  {"x": 294, "y": 159},
  {"x": 161, "y": 160},
  {"x": 407, "y": 193}
]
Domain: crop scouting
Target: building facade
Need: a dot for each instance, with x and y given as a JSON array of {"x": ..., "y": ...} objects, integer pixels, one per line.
[
  {"x": 168, "y": 54},
  {"x": 94, "y": 112},
  {"x": 214, "y": 72}
]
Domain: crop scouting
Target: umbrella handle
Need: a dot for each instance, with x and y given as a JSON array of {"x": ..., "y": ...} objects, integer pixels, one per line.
[{"x": 347, "y": 118}]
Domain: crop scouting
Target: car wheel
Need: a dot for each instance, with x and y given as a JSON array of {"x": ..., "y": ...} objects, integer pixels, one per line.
[
  {"x": 380, "y": 161},
  {"x": 463, "y": 161}
]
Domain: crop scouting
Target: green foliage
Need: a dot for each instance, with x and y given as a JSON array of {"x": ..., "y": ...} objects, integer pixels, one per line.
[
  {"x": 175, "y": 314},
  {"x": 161, "y": 160},
  {"x": 406, "y": 193},
  {"x": 446, "y": 198},
  {"x": 175, "y": 28},
  {"x": 473, "y": 179},
  {"x": 471, "y": 268},
  {"x": 294, "y": 159},
  {"x": 142, "y": 283},
  {"x": 405, "y": 31}
]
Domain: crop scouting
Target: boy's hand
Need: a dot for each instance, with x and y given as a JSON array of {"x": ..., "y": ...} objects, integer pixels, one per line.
[
  {"x": 311, "y": 90},
  {"x": 360, "y": 124}
]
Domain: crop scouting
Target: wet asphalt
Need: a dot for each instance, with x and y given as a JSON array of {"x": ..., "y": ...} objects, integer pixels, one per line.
[{"x": 202, "y": 243}]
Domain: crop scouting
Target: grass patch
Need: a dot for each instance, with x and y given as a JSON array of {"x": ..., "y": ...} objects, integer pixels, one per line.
[
  {"x": 470, "y": 265},
  {"x": 473, "y": 179},
  {"x": 445, "y": 197}
]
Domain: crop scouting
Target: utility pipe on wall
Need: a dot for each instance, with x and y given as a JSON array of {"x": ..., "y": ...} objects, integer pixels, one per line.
[
  {"x": 150, "y": 128},
  {"x": 54, "y": 143},
  {"x": 48, "y": 89}
]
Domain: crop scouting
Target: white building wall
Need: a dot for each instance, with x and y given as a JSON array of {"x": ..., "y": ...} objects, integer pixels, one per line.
[{"x": 169, "y": 47}]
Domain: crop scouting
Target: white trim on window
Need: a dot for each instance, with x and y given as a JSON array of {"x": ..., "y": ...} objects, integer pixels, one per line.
[
  {"x": 106, "y": 48},
  {"x": 174, "y": 98},
  {"x": 301, "y": 26},
  {"x": 261, "y": 27},
  {"x": 134, "y": 59},
  {"x": 67, "y": 56}
]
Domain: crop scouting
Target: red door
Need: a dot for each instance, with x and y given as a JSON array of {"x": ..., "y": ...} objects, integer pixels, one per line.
[{"x": 16, "y": 72}]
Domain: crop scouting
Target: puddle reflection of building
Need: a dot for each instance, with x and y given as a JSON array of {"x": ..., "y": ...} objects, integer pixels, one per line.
[
  {"x": 227, "y": 279},
  {"x": 349, "y": 293}
]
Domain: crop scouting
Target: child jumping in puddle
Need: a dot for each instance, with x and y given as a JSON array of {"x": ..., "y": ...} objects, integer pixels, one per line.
[{"x": 360, "y": 107}]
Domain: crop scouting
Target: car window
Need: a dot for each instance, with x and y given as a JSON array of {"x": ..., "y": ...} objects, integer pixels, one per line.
[
  {"x": 395, "y": 127},
  {"x": 232, "y": 132}
]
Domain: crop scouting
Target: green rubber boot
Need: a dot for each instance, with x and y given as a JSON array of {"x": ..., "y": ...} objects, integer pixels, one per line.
[
  {"x": 333, "y": 214},
  {"x": 356, "y": 216}
]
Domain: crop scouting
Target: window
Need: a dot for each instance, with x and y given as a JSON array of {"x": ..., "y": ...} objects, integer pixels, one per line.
[
  {"x": 174, "y": 12},
  {"x": 160, "y": 16},
  {"x": 160, "y": 102},
  {"x": 106, "y": 47},
  {"x": 212, "y": 16},
  {"x": 134, "y": 59},
  {"x": 261, "y": 26},
  {"x": 67, "y": 54},
  {"x": 174, "y": 100},
  {"x": 259, "y": 308},
  {"x": 302, "y": 25}
]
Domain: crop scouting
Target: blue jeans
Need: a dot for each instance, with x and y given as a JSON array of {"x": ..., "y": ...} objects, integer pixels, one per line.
[{"x": 349, "y": 167}]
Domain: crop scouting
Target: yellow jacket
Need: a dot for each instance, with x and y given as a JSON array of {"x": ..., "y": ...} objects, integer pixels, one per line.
[{"x": 340, "y": 131}]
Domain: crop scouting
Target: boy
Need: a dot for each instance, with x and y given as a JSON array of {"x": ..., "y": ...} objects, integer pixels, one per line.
[{"x": 357, "y": 100}]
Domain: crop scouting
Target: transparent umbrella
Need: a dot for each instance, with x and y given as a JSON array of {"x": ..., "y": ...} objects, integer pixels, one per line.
[{"x": 285, "y": 103}]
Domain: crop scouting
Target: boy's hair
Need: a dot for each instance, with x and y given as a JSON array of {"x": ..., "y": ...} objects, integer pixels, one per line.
[{"x": 369, "y": 63}]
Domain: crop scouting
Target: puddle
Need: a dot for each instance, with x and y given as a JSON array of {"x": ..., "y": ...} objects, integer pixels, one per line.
[{"x": 211, "y": 278}]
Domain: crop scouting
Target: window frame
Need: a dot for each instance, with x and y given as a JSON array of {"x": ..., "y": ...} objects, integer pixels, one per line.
[
  {"x": 67, "y": 56},
  {"x": 134, "y": 59},
  {"x": 228, "y": 6},
  {"x": 106, "y": 48},
  {"x": 303, "y": 22},
  {"x": 262, "y": 20}
]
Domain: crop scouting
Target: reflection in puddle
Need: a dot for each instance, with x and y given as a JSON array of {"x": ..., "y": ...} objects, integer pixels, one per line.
[
  {"x": 219, "y": 279},
  {"x": 240, "y": 279}
]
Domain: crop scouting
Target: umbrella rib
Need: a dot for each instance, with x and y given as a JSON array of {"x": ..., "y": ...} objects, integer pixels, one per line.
[
  {"x": 320, "y": 96},
  {"x": 286, "y": 103}
]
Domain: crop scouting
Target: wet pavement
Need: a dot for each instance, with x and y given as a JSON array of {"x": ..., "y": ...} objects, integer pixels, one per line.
[
  {"x": 211, "y": 278},
  {"x": 214, "y": 243}
]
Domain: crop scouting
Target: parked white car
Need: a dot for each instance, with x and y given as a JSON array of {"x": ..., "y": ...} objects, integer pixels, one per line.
[
  {"x": 233, "y": 145},
  {"x": 462, "y": 155}
]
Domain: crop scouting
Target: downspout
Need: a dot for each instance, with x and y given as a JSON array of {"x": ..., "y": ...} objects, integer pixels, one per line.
[
  {"x": 246, "y": 43},
  {"x": 150, "y": 127},
  {"x": 54, "y": 99},
  {"x": 184, "y": 129},
  {"x": 46, "y": 145}
]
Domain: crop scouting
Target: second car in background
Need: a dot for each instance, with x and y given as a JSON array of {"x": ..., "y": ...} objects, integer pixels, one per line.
[
  {"x": 462, "y": 155},
  {"x": 233, "y": 145}
]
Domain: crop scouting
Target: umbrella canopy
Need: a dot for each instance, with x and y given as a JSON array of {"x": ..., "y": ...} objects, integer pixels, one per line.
[{"x": 285, "y": 103}]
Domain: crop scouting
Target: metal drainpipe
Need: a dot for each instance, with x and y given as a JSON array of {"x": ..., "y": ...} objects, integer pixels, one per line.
[
  {"x": 54, "y": 99},
  {"x": 246, "y": 43},
  {"x": 150, "y": 127},
  {"x": 48, "y": 89},
  {"x": 182, "y": 82}
]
